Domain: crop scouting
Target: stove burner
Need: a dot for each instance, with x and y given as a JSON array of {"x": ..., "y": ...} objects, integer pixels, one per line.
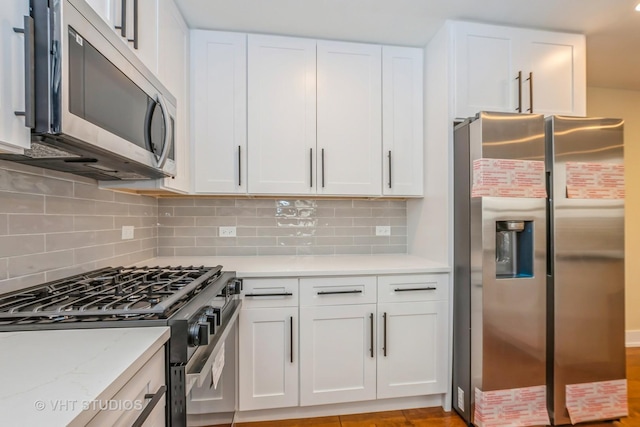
[{"x": 123, "y": 292}]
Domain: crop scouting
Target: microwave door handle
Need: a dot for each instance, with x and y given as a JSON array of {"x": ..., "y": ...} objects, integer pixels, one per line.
[{"x": 168, "y": 141}]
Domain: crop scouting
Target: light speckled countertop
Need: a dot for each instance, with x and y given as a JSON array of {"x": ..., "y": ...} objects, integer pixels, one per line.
[
  {"x": 300, "y": 266},
  {"x": 48, "y": 376}
]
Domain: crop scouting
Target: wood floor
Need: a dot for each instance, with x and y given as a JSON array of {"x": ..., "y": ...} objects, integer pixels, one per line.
[{"x": 436, "y": 417}]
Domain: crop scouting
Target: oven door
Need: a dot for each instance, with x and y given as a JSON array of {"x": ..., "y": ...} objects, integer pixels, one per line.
[{"x": 212, "y": 378}]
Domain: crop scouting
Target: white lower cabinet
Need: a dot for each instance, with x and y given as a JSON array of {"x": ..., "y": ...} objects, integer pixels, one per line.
[
  {"x": 268, "y": 358},
  {"x": 361, "y": 338},
  {"x": 337, "y": 354},
  {"x": 148, "y": 381},
  {"x": 411, "y": 360},
  {"x": 268, "y": 344}
]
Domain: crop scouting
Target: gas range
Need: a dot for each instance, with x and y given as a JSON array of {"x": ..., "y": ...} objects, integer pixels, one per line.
[{"x": 199, "y": 304}]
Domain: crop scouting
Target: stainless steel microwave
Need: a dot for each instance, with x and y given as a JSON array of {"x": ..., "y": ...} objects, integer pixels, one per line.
[{"x": 93, "y": 107}]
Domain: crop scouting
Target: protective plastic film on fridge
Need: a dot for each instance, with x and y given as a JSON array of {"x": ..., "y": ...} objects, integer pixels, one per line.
[
  {"x": 586, "y": 330},
  {"x": 499, "y": 366}
]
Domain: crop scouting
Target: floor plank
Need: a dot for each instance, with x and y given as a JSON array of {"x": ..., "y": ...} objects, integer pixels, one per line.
[{"x": 436, "y": 417}]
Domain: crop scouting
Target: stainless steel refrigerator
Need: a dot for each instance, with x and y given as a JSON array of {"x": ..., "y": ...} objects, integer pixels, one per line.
[
  {"x": 499, "y": 258},
  {"x": 586, "y": 330}
]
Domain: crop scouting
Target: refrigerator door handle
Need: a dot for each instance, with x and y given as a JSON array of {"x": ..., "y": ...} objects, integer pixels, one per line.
[
  {"x": 530, "y": 80},
  {"x": 519, "y": 79}
]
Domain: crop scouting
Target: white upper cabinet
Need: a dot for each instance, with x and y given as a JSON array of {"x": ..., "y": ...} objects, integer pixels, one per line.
[
  {"x": 281, "y": 115},
  {"x": 349, "y": 118},
  {"x": 517, "y": 70},
  {"x": 219, "y": 120},
  {"x": 14, "y": 135},
  {"x": 402, "y": 119},
  {"x": 106, "y": 10},
  {"x": 173, "y": 72},
  {"x": 141, "y": 26},
  {"x": 145, "y": 28}
]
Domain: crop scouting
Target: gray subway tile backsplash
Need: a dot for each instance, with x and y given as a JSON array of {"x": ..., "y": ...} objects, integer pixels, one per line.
[
  {"x": 281, "y": 226},
  {"x": 53, "y": 225}
]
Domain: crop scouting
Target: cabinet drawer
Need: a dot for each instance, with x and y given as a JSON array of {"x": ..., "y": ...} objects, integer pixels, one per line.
[
  {"x": 338, "y": 290},
  {"x": 130, "y": 400},
  {"x": 278, "y": 292},
  {"x": 412, "y": 287}
]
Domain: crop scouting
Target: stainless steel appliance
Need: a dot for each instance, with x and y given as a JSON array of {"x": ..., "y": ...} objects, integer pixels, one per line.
[
  {"x": 197, "y": 303},
  {"x": 586, "y": 323},
  {"x": 499, "y": 252},
  {"x": 93, "y": 107}
]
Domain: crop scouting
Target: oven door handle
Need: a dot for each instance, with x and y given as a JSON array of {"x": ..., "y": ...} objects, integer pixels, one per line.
[
  {"x": 155, "y": 399},
  {"x": 200, "y": 365}
]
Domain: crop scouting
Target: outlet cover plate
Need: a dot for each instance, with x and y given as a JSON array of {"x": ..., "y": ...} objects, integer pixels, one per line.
[
  {"x": 127, "y": 232},
  {"x": 227, "y": 232},
  {"x": 383, "y": 230}
]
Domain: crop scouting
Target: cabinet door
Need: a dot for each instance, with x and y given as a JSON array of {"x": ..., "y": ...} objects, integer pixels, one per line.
[
  {"x": 412, "y": 354},
  {"x": 349, "y": 118},
  {"x": 485, "y": 69},
  {"x": 402, "y": 118},
  {"x": 282, "y": 115},
  {"x": 14, "y": 136},
  {"x": 219, "y": 90},
  {"x": 148, "y": 29},
  {"x": 558, "y": 69},
  {"x": 268, "y": 358},
  {"x": 337, "y": 356},
  {"x": 106, "y": 10},
  {"x": 173, "y": 72}
]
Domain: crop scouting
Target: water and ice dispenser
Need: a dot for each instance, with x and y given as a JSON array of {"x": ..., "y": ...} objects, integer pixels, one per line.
[{"x": 514, "y": 249}]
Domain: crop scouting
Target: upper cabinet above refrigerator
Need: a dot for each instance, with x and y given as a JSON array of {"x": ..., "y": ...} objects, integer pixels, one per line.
[{"x": 518, "y": 70}]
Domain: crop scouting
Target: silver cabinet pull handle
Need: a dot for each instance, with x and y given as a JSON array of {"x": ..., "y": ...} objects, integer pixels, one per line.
[
  {"x": 155, "y": 398},
  {"x": 277, "y": 294},
  {"x": 29, "y": 73},
  {"x": 519, "y": 79},
  {"x": 310, "y": 167},
  {"x": 371, "y": 323},
  {"x": 389, "y": 168},
  {"x": 291, "y": 338},
  {"x": 239, "y": 166},
  {"x": 134, "y": 40},
  {"x": 322, "y": 155},
  {"x": 123, "y": 19},
  {"x": 428, "y": 288},
  {"x": 352, "y": 291},
  {"x": 530, "y": 80},
  {"x": 384, "y": 334}
]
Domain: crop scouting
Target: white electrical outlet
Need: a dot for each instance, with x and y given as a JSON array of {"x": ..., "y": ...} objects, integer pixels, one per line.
[
  {"x": 461, "y": 399},
  {"x": 383, "y": 230},
  {"x": 127, "y": 232},
  {"x": 227, "y": 232}
]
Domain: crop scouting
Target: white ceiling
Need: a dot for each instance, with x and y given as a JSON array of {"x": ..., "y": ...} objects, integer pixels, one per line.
[{"x": 612, "y": 26}]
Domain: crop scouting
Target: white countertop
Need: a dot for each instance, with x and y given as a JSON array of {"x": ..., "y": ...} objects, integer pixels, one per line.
[
  {"x": 300, "y": 266},
  {"x": 48, "y": 376}
]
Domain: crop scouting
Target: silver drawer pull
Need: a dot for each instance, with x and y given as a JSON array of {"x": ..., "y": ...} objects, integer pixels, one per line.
[
  {"x": 429, "y": 288},
  {"x": 277, "y": 294},
  {"x": 155, "y": 398},
  {"x": 353, "y": 291}
]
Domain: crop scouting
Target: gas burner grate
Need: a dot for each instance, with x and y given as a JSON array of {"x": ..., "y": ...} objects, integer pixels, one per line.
[{"x": 121, "y": 292}]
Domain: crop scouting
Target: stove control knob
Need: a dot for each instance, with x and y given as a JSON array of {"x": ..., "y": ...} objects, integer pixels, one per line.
[
  {"x": 199, "y": 332},
  {"x": 203, "y": 332},
  {"x": 213, "y": 318}
]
